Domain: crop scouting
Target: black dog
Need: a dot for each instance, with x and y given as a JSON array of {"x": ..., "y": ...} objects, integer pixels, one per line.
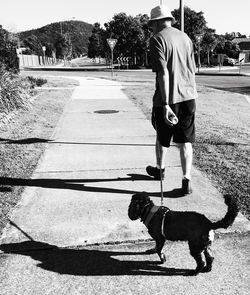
[{"x": 165, "y": 224}]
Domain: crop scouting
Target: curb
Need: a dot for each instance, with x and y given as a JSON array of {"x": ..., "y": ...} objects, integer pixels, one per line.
[{"x": 220, "y": 74}]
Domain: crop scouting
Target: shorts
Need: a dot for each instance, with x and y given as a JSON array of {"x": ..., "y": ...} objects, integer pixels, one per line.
[{"x": 183, "y": 131}]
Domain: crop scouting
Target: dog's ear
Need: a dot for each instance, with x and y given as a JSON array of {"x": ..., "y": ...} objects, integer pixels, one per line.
[
  {"x": 140, "y": 197},
  {"x": 134, "y": 208}
]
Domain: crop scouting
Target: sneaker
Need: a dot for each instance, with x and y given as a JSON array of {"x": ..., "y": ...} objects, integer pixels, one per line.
[
  {"x": 186, "y": 187},
  {"x": 155, "y": 172}
]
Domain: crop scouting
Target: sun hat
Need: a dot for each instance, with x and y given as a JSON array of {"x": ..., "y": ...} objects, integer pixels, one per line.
[{"x": 161, "y": 12}]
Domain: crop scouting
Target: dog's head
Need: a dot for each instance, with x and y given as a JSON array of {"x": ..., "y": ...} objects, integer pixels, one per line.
[{"x": 138, "y": 202}]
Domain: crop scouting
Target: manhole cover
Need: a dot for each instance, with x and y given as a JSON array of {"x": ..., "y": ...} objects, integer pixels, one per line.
[{"x": 106, "y": 112}]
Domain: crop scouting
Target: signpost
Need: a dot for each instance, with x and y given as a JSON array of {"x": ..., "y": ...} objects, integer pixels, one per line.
[
  {"x": 182, "y": 14},
  {"x": 44, "y": 49},
  {"x": 112, "y": 43},
  {"x": 220, "y": 60},
  {"x": 241, "y": 61}
]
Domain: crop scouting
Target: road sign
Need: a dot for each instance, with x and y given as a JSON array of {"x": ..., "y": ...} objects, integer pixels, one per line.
[{"x": 111, "y": 43}]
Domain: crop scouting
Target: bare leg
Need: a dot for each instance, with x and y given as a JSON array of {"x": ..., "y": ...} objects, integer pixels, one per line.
[
  {"x": 160, "y": 152},
  {"x": 186, "y": 155}
]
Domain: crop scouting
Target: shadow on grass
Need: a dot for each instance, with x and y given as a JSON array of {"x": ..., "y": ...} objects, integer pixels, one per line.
[
  {"x": 80, "y": 185},
  {"x": 33, "y": 140},
  {"x": 5, "y": 189},
  {"x": 88, "y": 262},
  {"x": 239, "y": 89},
  {"x": 25, "y": 140}
]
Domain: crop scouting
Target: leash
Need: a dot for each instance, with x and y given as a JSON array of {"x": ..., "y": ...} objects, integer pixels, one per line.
[
  {"x": 160, "y": 159},
  {"x": 174, "y": 121},
  {"x": 161, "y": 182}
]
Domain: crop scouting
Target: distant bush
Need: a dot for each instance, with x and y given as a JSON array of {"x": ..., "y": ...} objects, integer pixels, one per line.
[
  {"x": 15, "y": 92},
  {"x": 36, "y": 82}
]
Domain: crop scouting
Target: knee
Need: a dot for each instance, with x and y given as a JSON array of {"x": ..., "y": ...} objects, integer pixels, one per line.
[{"x": 186, "y": 148}]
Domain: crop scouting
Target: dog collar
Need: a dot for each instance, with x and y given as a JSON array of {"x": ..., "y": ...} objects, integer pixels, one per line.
[{"x": 150, "y": 215}]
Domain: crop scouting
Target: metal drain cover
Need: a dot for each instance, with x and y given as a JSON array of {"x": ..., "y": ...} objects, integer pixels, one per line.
[{"x": 106, "y": 112}]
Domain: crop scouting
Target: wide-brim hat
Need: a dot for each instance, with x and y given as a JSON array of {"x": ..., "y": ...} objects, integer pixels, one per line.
[{"x": 161, "y": 12}]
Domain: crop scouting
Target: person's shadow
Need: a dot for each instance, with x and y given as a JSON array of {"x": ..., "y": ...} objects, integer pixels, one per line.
[
  {"x": 88, "y": 262},
  {"x": 81, "y": 185}
]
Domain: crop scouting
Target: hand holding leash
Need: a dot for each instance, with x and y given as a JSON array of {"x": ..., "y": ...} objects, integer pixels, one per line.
[{"x": 170, "y": 117}]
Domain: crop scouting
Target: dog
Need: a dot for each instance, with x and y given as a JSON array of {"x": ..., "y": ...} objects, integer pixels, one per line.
[{"x": 164, "y": 224}]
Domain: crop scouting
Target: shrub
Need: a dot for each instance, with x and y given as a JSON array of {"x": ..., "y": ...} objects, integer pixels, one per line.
[
  {"x": 8, "y": 55},
  {"x": 15, "y": 92},
  {"x": 36, "y": 82},
  {"x": 9, "y": 58}
]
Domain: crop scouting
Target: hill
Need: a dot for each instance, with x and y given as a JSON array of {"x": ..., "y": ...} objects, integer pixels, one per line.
[{"x": 54, "y": 36}]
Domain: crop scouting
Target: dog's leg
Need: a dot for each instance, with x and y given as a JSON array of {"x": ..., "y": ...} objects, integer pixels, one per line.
[
  {"x": 200, "y": 263},
  {"x": 195, "y": 251},
  {"x": 159, "y": 245},
  {"x": 209, "y": 260}
]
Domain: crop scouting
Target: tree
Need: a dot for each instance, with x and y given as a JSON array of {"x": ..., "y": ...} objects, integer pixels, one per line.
[
  {"x": 194, "y": 23},
  {"x": 64, "y": 47},
  {"x": 8, "y": 56},
  {"x": 147, "y": 33},
  {"x": 232, "y": 49},
  {"x": 97, "y": 40},
  {"x": 129, "y": 34},
  {"x": 208, "y": 42},
  {"x": 226, "y": 46},
  {"x": 33, "y": 44},
  {"x": 233, "y": 35}
]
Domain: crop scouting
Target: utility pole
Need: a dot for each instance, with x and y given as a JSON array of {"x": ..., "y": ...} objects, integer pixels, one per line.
[{"x": 182, "y": 14}]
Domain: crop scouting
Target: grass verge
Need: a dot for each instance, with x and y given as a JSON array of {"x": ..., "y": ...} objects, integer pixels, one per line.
[
  {"x": 24, "y": 138},
  {"x": 222, "y": 148}
]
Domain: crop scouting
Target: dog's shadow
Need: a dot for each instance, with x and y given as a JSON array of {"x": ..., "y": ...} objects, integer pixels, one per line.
[{"x": 90, "y": 262}]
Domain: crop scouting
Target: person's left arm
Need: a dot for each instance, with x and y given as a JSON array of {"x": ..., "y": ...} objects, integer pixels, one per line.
[
  {"x": 163, "y": 82},
  {"x": 159, "y": 65}
]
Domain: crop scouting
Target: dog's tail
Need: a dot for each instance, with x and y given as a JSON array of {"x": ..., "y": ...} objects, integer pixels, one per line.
[{"x": 230, "y": 216}]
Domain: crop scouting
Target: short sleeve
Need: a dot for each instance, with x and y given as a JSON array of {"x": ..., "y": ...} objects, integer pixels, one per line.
[{"x": 157, "y": 51}]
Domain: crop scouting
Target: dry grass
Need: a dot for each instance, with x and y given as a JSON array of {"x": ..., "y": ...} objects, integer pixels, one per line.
[
  {"x": 23, "y": 140},
  {"x": 222, "y": 141},
  {"x": 15, "y": 92},
  {"x": 222, "y": 145}
]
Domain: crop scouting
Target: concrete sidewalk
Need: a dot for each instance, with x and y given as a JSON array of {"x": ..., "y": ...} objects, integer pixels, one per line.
[{"x": 81, "y": 189}]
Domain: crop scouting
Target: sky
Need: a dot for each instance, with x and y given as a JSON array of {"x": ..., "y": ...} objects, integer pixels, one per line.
[{"x": 221, "y": 15}]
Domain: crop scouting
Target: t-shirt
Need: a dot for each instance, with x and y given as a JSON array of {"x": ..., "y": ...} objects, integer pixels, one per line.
[{"x": 172, "y": 50}]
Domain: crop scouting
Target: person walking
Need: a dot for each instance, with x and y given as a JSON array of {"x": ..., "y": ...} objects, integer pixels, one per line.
[{"x": 172, "y": 58}]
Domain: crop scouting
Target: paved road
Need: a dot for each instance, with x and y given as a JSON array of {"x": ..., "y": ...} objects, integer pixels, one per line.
[
  {"x": 124, "y": 270},
  {"x": 238, "y": 84}
]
